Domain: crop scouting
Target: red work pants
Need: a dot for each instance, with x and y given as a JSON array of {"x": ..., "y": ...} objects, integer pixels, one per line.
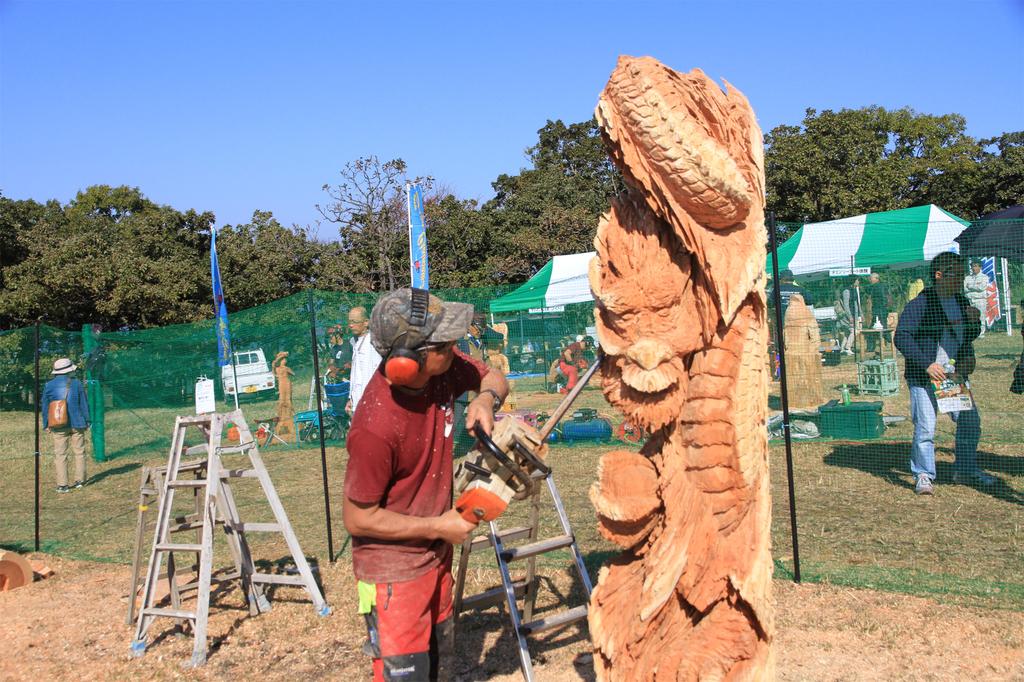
[
  {"x": 572, "y": 374},
  {"x": 414, "y": 627}
]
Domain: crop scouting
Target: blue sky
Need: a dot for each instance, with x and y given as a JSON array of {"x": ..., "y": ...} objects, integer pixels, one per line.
[{"x": 237, "y": 106}]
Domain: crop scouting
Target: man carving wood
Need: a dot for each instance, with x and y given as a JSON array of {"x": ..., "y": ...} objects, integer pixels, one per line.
[{"x": 398, "y": 482}]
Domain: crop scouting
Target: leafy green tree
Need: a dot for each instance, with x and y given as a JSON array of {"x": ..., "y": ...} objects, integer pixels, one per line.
[
  {"x": 369, "y": 207},
  {"x": 110, "y": 256},
  {"x": 1001, "y": 167},
  {"x": 16, "y": 219},
  {"x": 458, "y": 241},
  {"x": 841, "y": 163},
  {"x": 262, "y": 261},
  {"x": 552, "y": 208}
]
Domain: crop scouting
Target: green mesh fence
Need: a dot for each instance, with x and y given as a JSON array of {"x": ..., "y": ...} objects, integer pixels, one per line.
[{"x": 860, "y": 521}]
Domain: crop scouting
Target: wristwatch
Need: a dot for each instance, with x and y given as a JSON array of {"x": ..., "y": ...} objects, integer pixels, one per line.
[{"x": 497, "y": 398}]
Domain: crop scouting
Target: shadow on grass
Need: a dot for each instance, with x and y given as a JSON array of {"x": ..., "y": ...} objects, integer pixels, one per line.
[
  {"x": 502, "y": 658},
  {"x": 891, "y": 463},
  {"x": 115, "y": 471},
  {"x": 285, "y": 565},
  {"x": 153, "y": 444},
  {"x": 27, "y": 546}
]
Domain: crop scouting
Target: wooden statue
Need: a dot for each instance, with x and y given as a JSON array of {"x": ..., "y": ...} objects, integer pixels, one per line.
[
  {"x": 285, "y": 416},
  {"x": 502, "y": 328},
  {"x": 803, "y": 356},
  {"x": 498, "y": 361},
  {"x": 678, "y": 282}
]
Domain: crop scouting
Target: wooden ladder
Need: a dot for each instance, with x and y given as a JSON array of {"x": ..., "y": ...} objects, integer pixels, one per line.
[
  {"x": 523, "y": 622},
  {"x": 217, "y": 508}
]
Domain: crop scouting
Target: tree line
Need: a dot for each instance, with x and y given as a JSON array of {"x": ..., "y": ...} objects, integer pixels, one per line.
[{"x": 112, "y": 256}]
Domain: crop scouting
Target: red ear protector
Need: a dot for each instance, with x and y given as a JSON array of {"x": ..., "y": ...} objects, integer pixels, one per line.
[{"x": 405, "y": 360}]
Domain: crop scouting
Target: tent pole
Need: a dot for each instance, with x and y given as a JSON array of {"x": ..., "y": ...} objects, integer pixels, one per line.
[{"x": 859, "y": 315}]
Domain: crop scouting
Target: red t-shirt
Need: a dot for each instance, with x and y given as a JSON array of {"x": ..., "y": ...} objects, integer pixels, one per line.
[{"x": 400, "y": 458}]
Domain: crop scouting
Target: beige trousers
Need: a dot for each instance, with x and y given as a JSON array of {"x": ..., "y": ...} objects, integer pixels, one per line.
[{"x": 61, "y": 439}]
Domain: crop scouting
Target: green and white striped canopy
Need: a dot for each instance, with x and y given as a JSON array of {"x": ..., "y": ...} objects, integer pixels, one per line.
[
  {"x": 561, "y": 281},
  {"x": 894, "y": 239}
]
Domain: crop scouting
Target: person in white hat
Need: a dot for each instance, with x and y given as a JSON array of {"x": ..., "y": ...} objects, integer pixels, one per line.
[{"x": 64, "y": 386}]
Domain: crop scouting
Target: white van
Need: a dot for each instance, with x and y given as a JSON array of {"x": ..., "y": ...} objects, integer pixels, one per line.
[{"x": 254, "y": 374}]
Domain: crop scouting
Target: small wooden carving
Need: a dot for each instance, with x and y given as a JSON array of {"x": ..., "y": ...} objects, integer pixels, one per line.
[
  {"x": 285, "y": 416},
  {"x": 803, "y": 358},
  {"x": 498, "y": 361},
  {"x": 679, "y": 287}
]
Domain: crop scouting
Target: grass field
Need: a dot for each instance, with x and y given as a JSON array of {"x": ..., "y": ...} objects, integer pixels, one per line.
[{"x": 859, "y": 521}]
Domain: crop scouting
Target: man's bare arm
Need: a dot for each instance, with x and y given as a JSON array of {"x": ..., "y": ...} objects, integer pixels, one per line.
[
  {"x": 373, "y": 521},
  {"x": 481, "y": 410}
]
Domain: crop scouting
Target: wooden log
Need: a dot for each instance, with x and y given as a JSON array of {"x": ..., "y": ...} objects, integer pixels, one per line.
[
  {"x": 15, "y": 571},
  {"x": 803, "y": 355}
]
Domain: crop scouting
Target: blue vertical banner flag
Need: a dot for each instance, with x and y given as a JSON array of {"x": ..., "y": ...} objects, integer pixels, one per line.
[
  {"x": 417, "y": 239},
  {"x": 220, "y": 309},
  {"x": 992, "y": 312}
]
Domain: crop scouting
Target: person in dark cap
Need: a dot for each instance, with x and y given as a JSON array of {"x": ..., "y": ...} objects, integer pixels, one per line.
[
  {"x": 398, "y": 482},
  {"x": 788, "y": 287}
]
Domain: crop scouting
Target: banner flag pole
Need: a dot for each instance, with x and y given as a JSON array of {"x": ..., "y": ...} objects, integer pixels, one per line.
[
  {"x": 1006, "y": 298},
  {"x": 220, "y": 309},
  {"x": 418, "y": 267}
]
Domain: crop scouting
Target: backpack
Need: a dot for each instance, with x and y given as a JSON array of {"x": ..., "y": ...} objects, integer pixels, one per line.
[{"x": 57, "y": 411}]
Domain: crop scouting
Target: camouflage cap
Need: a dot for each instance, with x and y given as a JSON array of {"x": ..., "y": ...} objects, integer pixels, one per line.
[{"x": 391, "y": 320}]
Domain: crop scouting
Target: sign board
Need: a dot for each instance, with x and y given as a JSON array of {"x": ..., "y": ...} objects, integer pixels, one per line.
[
  {"x": 846, "y": 272},
  {"x": 205, "y": 399}
]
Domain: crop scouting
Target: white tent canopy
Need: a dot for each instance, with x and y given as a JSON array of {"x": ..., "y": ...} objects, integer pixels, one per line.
[
  {"x": 563, "y": 280},
  {"x": 902, "y": 238}
]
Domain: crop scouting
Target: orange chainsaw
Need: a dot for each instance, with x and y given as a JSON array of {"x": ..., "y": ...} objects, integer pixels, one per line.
[{"x": 504, "y": 466}]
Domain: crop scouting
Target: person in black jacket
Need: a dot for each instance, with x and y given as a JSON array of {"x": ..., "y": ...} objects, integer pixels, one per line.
[{"x": 937, "y": 326}]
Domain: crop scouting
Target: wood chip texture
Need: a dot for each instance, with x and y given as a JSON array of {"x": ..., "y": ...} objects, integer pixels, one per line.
[{"x": 678, "y": 282}]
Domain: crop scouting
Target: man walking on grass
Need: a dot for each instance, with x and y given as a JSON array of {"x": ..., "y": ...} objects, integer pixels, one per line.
[{"x": 938, "y": 326}]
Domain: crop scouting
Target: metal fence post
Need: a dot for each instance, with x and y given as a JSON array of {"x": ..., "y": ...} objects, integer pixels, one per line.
[
  {"x": 784, "y": 391},
  {"x": 320, "y": 422},
  {"x": 37, "y": 413}
]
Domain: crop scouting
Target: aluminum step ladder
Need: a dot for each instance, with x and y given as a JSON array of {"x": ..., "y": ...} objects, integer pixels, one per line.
[
  {"x": 218, "y": 508},
  {"x": 505, "y": 552},
  {"x": 151, "y": 491}
]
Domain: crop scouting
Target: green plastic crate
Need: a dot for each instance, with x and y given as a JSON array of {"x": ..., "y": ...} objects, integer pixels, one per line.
[
  {"x": 878, "y": 377},
  {"x": 856, "y": 421}
]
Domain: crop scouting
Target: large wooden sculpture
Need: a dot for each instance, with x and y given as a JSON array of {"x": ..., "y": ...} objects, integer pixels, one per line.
[
  {"x": 679, "y": 286},
  {"x": 803, "y": 355}
]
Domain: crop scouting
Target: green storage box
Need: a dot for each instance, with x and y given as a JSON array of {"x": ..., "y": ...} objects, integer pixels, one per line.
[
  {"x": 878, "y": 377},
  {"x": 856, "y": 421}
]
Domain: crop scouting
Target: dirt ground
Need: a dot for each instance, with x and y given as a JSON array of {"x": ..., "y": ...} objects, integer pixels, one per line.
[{"x": 72, "y": 626}]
